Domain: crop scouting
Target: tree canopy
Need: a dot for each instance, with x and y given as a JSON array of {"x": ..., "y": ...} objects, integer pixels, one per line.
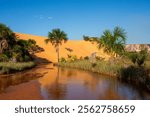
[
  {"x": 112, "y": 42},
  {"x": 56, "y": 37}
]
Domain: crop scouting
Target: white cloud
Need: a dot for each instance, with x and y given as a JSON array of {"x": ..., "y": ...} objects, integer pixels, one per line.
[{"x": 42, "y": 17}]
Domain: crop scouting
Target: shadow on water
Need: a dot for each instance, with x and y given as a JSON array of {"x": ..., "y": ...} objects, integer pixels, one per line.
[{"x": 18, "y": 78}]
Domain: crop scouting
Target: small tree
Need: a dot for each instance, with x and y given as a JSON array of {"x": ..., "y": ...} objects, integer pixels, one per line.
[
  {"x": 7, "y": 34},
  {"x": 56, "y": 37},
  {"x": 113, "y": 42},
  {"x": 138, "y": 58}
]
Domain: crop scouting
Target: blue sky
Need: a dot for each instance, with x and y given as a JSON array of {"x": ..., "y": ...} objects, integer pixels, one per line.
[{"x": 78, "y": 17}]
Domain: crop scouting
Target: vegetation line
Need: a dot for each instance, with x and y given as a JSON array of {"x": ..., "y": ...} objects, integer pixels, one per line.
[
  {"x": 10, "y": 67},
  {"x": 16, "y": 54},
  {"x": 101, "y": 67}
]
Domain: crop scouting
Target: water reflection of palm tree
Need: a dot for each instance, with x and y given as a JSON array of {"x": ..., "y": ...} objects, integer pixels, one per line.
[{"x": 57, "y": 90}]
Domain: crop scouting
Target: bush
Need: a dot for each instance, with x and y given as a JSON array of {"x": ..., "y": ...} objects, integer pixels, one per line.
[
  {"x": 138, "y": 58},
  {"x": 14, "y": 49},
  {"x": 26, "y": 58},
  {"x": 137, "y": 76},
  {"x": 133, "y": 57},
  {"x": 62, "y": 59},
  {"x": 99, "y": 58},
  {"x": 4, "y": 58},
  {"x": 86, "y": 58},
  {"x": 71, "y": 58}
]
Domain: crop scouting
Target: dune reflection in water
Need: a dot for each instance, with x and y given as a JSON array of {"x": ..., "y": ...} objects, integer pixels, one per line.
[
  {"x": 66, "y": 83},
  {"x": 48, "y": 82}
]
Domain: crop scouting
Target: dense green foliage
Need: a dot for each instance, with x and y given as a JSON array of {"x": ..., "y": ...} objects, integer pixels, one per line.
[
  {"x": 7, "y": 34},
  {"x": 138, "y": 58},
  {"x": 112, "y": 42},
  {"x": 138, "y": 76},
  {"x": 56, "y": 37},
  {"x": 14, "y": 49}
]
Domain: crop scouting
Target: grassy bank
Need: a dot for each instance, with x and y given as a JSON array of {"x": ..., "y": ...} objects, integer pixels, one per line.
[
  {"x": 10, "y": 67},
  {"x": 122, "y": 69},
  {"x": 102, "y": 67}
]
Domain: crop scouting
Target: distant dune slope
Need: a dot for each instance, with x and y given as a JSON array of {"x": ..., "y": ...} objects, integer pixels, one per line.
[{"x": 79, "y": 47}]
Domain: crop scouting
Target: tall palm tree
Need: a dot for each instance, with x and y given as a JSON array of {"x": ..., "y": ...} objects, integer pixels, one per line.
[
  {"x": 56, "y": 37},
  {"x": 113, "y": 42}
]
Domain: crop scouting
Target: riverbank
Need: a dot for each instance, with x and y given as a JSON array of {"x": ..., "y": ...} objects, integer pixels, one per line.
[
  {"x": 137, "y": 76},
  {"x": 102, "y": 67},
  {"x": 11, "y": 67}
]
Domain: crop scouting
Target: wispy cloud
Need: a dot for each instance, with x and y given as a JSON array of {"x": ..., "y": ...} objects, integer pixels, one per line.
[
  {"x": 50, "y": 17},
  {"x": 42, "y": 17}
]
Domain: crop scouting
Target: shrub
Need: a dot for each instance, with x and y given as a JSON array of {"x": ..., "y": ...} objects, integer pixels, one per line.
[
  {"x": 133, "y": 57},
  {"x": 14, "y": 49},
  {"x": 26, "y": 58},
  {"x": 138, "y": 58},
  {"x": 4, "y": 58},
  {"x": 62, "y": 59},
  {"x": 71, "y": 58},
  {"x": 99, "y": 58},
  {"x": 135, "y": 75},
  {"x": 86, "y": 58},
  {"x": 142, "y": 57}
]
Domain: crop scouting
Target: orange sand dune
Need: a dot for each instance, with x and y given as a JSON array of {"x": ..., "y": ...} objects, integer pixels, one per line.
[{"x": 79, "y": 47}]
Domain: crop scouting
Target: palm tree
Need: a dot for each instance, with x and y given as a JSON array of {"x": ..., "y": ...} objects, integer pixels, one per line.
[
  {"x": 113, "y": 42},
  {"x": 56, "y": 37}
]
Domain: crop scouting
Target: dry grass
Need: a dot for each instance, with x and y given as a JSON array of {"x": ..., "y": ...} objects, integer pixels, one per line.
[
  {"x": 9, "y": 67},
  {"x": 102, "y": 67}
]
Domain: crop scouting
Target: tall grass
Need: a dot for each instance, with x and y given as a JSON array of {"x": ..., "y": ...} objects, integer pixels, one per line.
[
  {"x": 102, "y": 67},
  {"x": 9, "y": 67}
]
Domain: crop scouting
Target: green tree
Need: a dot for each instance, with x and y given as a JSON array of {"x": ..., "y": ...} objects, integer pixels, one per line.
[
  {"x": 7, "y": 34},
  {"x": 113, "y": 42},
  {"x": 138, "y": 58},
  {"x": 56, "y": 37}
]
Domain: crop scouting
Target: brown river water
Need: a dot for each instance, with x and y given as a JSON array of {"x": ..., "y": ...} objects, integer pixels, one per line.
[{"x": 52, "y": 83}]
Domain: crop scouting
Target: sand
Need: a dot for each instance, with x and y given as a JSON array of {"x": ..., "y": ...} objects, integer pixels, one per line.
[{"x": 79, "y": 47}]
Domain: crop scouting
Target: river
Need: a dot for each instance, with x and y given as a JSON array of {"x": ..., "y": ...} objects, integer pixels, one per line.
[{"x": 53, "y": 83}]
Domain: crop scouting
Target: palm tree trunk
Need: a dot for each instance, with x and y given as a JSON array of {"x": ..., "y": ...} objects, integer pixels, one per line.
[{"x": 58, "y": 53}]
